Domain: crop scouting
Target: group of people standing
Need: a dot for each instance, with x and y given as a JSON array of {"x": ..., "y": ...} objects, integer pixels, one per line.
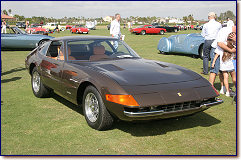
[{"x": 220, "y": 46}]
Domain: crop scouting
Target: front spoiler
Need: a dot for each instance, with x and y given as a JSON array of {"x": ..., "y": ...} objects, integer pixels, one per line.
[{"x": 161, "y": 113}]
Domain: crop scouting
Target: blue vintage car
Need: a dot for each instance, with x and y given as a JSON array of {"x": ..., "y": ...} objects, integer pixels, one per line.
[
  {"x": 16, "y": 38},
  {"x": 182, "y": 43}
]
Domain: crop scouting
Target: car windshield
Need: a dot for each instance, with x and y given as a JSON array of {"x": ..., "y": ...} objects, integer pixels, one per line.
[
  {"x": 99, "y": 49},
  {"x": 142, "y": 26},
  {"x": 18, "y": 31},
  {"x": 79, "y": 26}
]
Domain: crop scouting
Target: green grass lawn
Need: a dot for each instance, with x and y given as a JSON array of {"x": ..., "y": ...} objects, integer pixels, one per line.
[{"x": 54, "y": 126}]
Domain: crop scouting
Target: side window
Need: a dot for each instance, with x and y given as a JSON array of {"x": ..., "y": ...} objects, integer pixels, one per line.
[
  {"x": 43, "y": 48},
  {"x": 146, "y": 26},
  {"x": 79, "y": 50},
  {"x": 108, "y": 49},
  {"x": 55, "y": 50}
]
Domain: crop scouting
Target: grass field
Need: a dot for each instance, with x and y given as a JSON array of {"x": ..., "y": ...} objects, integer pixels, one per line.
[{"x": 54, "y": 126}]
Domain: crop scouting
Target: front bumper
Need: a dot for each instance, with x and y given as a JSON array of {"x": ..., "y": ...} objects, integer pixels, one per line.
[
  {"x": 160, "y": 112},
  {"x": 203, "y": 106}
]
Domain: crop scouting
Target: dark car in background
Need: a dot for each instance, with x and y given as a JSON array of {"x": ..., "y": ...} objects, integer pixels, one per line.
[
  {"x": 110, "y": 82},
  {"x": 21, "y": 24},
  {"x": 198, "y": 27},
  {"x": 168, "y": 28}
]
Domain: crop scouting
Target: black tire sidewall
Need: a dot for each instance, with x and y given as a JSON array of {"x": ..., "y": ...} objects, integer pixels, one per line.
[
  {"x": 43, "y": 91},
  {"x": 102, "y": 109}
]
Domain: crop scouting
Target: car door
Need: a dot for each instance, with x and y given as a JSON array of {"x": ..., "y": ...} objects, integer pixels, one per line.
[
  {"x": 9, "y": 39},
  {"x": 73, "y": 74},
  {"x": 52, "y": 66}
]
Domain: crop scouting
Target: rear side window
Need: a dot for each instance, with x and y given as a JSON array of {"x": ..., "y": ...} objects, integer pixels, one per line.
[
  {"x": 43, "y": 48},
  {"x": 54, "y": 49}
]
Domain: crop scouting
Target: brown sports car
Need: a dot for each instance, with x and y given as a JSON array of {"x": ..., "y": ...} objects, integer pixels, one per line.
[{"x": 107, "y": 77}]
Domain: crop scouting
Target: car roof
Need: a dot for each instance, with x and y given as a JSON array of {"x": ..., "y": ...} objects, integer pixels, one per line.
[{"x": 68, "y": 38}]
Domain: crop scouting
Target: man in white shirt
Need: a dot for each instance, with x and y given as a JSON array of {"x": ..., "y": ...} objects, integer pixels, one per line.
[
  {"x": 115, "y": 29},
  {"x": 229, "y": 22},
  {"x": 209, "y": 32}
]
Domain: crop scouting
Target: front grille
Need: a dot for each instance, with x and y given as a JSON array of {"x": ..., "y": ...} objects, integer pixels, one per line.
[{"x": 170, "y": 107}]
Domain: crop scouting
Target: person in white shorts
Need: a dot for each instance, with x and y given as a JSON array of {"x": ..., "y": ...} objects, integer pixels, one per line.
[{"x": 226, "y": 64}]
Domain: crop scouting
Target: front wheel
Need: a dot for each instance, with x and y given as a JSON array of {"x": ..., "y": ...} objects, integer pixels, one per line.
[
  {"x": 143, "y": 32},
  {"x": 162, "y": 32},
  {"x": 39, "y": 90},
  {"x": 95, "y": 111}
]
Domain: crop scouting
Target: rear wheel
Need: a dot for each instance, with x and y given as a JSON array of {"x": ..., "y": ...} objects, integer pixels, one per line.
[
  {"x": 201, "y": 51},
  {"x": 39, "y": 90},
  {"x": 95, "y": 111},
  {"x": 162, "y": 32},
  {"x": 143, "y": 32},
  {"x": 175, "y": 30}
]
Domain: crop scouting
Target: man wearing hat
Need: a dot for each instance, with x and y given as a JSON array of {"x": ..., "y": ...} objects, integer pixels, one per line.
[{"x": 209, "y": 32}]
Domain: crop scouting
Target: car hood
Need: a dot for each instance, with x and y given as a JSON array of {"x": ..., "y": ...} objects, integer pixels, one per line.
[{"x": 143, "y": 72}]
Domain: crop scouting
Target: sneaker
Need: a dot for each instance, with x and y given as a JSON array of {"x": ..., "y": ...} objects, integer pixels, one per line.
[
  {"x": 223, "y": 90},
  {"x": 227, "y": 94}
]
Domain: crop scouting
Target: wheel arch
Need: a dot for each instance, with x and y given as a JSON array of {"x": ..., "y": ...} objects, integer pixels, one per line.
[
  {"x": 81, "y": 89},
  {"x": 31, "y": 67}
]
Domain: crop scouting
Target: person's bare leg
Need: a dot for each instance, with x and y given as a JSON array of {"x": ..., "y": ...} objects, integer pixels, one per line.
[
  {"x": 233, "y": 75},
  {"x": 223, "y": 89},
  {"x": 225, "y": 80},
  {"x": 212, "y": 77}
]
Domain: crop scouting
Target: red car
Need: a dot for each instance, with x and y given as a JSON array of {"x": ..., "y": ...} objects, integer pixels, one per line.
[
  {"x": 36, "y": 29},
  {"x": 68, "y": 26},
  {"x": 79, "y": 29},
  {"x": 148, "y": 29}
]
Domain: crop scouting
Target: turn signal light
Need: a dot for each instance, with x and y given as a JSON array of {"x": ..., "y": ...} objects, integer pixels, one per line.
[
  {"x": 215, "y": 90},
  {"x": 127, "y": 100}
]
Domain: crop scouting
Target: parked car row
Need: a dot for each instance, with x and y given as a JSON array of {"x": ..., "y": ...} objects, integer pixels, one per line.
[{"x": 147, "y": 29}]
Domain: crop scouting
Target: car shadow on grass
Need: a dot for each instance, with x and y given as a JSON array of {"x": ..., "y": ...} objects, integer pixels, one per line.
[
  {"x": 161, "y": 127},
  {"x": 180, "y": 54},
  {"x": 13, "y": 70},
  {"x": 65, "y": 102},
  {"x": 10, "y": 80},
  {"x": 154, "y": 127}
]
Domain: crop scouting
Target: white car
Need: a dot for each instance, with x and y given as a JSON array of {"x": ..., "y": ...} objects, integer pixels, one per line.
[{"x": 52, "y": 26}]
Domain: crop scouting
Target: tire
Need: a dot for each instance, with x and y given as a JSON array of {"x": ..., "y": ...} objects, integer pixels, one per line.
[
  {"x": 162, "y": 32},
  {"x": 175, "y": 30},
  {"x": 96, "y": 115},
  {"x": 38, "y": 88},
  {"x": 201, "y": 51},
  {"x": 143, "y": 32},
  {"x": 62, "y": 29},
  {"x": 77, "y": 32}
]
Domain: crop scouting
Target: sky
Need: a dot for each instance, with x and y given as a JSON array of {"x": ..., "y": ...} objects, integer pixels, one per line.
[{"x": 96, "y": 9}]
